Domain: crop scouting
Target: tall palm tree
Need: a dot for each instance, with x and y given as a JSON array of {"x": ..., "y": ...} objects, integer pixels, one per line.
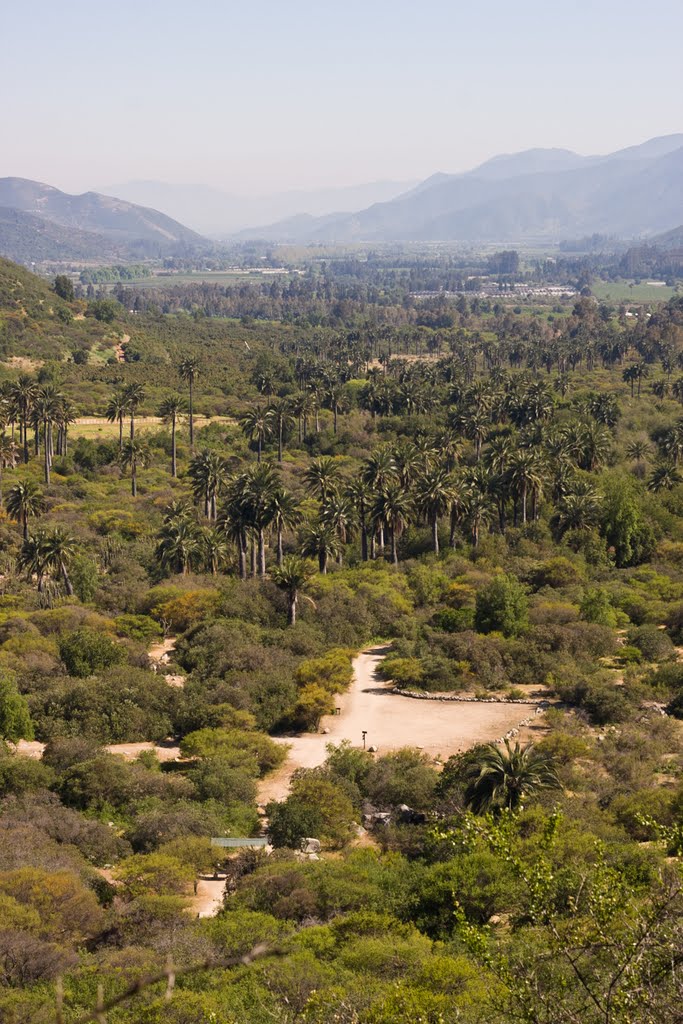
[
  {"x": 134, "y": 455},
  {"x": 322, "y": 478},
  {"x": 394, "y": 508},
  {"x": 134, "y": 395},
  {"x": 188, "y": 370},
  {"x": 525, "y": 476},
  {"x": 9, "y": 456},
  {"x": 361, "y": 495},
  {"x": 257, "y": 425},
  {"x": 336, "y": 396},
  {"x": 286, "y": 515},
  {"x": 233, "y": 521},
  {"x": 172, "y": 407},
  {"x": 47, "y": 406},
  {"x": 501, "y": 778},
  {"x": 479, "y": 513},
  {"x": 24, "y": 500},
  {"x": 215, "y": 549},
  {"x": 23, "y": 397},
  {"x": 293, "y": 576},
  {"x": 116, "y": 410},
  {"x": 339, "y": 512},
  {"x": 283, "y": 419},
  {"x": 66, "y": 415},
  {"x": 319, "y": 541},
  {"x": 208, "y": 473},
  {"x": 434, "y": 493},
  {"x": 259, "y": 484}
]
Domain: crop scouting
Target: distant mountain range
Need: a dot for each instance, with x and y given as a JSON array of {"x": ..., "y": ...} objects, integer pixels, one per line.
[
  {"x": 538, "y": 195},
  {"x": 38, "y": 222},
  {"x": 218, "y": 214}
]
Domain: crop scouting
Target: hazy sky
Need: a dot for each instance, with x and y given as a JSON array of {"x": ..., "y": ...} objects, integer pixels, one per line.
[{"x": 279, "y": 94}]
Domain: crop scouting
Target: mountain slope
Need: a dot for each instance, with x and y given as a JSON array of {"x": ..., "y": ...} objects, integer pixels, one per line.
[
  {"x": 136, "y": 230},
  {"x": 536, "y": 195},
  {"x": 26, "y": 238},
  {"x": 216, "y": 212}
]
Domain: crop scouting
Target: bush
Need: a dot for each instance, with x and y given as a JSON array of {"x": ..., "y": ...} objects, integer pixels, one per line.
[
  {"x": 502, "y": 607},
  {"x": 653, "y": 643},
  {"x": 403, "y": 777},
  {"x": 86, "y": 652},
  {"x": 316, "y": 808},
  {"x": 597, "y": 608}
]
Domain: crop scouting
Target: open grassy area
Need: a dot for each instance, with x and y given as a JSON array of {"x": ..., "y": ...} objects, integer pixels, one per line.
[
  {"x": 629, "y": 291},
  {"x": 97, "y": 428}
]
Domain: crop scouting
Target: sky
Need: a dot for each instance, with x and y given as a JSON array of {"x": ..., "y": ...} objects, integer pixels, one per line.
[{"x": 263, "y": 97}]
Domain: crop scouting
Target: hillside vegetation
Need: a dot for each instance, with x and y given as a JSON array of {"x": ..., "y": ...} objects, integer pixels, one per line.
[{"x": 494, "y": 492}]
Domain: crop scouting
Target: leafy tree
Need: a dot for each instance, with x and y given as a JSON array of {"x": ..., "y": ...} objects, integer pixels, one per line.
[
  {"x": 501, "y": 606},
  {"x": 316, "y": 808},
  {"x": 85, "y": 652},
  {"x": 15, "y": 720},
  {"x": 64, "y": 287}
]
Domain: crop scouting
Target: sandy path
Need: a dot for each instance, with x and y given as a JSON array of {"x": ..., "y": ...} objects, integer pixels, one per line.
[
  {"x": 160, "y": 656},
  {"x": 129, "y": 751},
  {"x": 209, "y": 898},
  {"x": 391, "y": 721}
]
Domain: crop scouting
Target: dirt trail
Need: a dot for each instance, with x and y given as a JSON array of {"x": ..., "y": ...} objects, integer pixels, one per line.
[
  {"x": 390, "y": 721},
  {"x": 160, "y": 655},
  {"x": 164, "y": 751},
  {"x": 119, "y": 348},
  {"x": 209, "y": 898}
]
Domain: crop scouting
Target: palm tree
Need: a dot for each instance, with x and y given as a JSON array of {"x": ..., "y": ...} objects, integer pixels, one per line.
[
  {"x": 286, "y": 515},
  {"x": 500, "y": 778},
  {"x": 9, "y": 456},
  {"x": 46, "y": 411},
  {"x": 525, "y": 476},
  {"x": 360, "y": 494},
  {"x": 339, "y": 512},
  {"x": 215, "y": 549},
  {"x": 188, "y": 370},
  {"x": 435, "y": 490},
  {"x": 322, "y": 477},
  {"x": 23, "y": 501},
  {"x": 172, "y": 407},
  {"x": 664, "y": 478},
  {"x": 116, "y": 410},
  {"x": 259, "y": 484},
  {"x": 134, "y": 396},
  {"x": 336, "y": 396},
  {"x": 23, "y": 396},
  {"x": 302, "y": 407},
  {"x": 283, "y": 418},
  {"x": 293, "y": 576},
  {"x": 393, "y": 508},
  {"x": 478, "y": 511},
  {"x": 578, "y": 510},
  {"x": 58, "y": 549},
  {"x": 66, "y": 415},
  {"x": 31, "y": 558},
  {"x": 208, "y": 472},
  {"x": 134, "y": 455},
  {"x": 257, "y": 426},
  {"x": 233, "y": 521},
  {"x": 638, "y": 451},
  {"x": 377, "y": 473},
  {"x": 320, "y": 541},
  {"x": 179, "y": 544}
]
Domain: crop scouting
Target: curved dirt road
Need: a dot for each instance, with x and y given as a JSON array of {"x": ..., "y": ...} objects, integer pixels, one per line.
[{"x": 391, "y": 721}]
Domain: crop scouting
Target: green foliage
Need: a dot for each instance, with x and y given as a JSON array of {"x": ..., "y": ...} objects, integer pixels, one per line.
[
  {"x": 316, "y": 808},
  {"x": 501, "y": 607},
  {"x": 15, "y": 720},
  {"x": 86, "y": 652}
]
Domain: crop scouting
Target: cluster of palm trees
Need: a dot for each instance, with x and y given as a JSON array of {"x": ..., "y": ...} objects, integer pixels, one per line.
[{"x": 26, "y": 405}]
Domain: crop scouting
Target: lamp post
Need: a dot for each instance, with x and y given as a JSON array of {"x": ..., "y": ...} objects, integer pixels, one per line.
[{"x": 365, "y": 732}]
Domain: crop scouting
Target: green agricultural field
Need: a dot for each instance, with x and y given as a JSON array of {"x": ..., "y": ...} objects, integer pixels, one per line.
[{"x": 629, "y": 291}]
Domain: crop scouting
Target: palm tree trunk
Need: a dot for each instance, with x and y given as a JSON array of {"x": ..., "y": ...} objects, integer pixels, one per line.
[
  {"x": 174, "y": 463},
  {"x": 524, "y": 505},
  {"x": 134, "y": 481},
  {"x": 322, "y": 562},
  {"x": 292, "y": 608},
  {"x": 132, "y": 426},
  {"x": 363, "y": 541},
  {"x": 279, "y": 545},
  {"x": 279, "y": 442},
  {"x": 252, "y": 549},
  {"x": 191, "y": 413},
  {"x": 25, "y": 519},
  {"x": 68, "y": 586},
  {"x": 335, "y": 411},
  {"x": 120, "y": 433},
  {"x": 435, "y": 534},
  {"x": 260, "y": 441},
  {"x": 394, "y": 549},
  {"x": 243, "y": 555},
  {"x": 261, "y": 553}
]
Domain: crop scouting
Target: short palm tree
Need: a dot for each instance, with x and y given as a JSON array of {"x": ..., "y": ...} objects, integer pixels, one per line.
[
  {"x": 319, "y": 541},
  {"x": 179, "y": 544},
  {"x": 501, "y": 777},
  {"x": 58, "y": 549},
  {"x": 322, "y": 478},
  {"x": 170, "y": 410},
  {"x": 293, "y": 576},
  {"x": 24, "y": 500},
  {"x": 208, "y": 473},
  {"x": 664, "y": 478},
  {"x": 286, "y": 514}
]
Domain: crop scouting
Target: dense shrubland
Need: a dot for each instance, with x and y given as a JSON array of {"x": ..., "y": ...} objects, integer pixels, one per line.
[{"x": 506, "y": 513}]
